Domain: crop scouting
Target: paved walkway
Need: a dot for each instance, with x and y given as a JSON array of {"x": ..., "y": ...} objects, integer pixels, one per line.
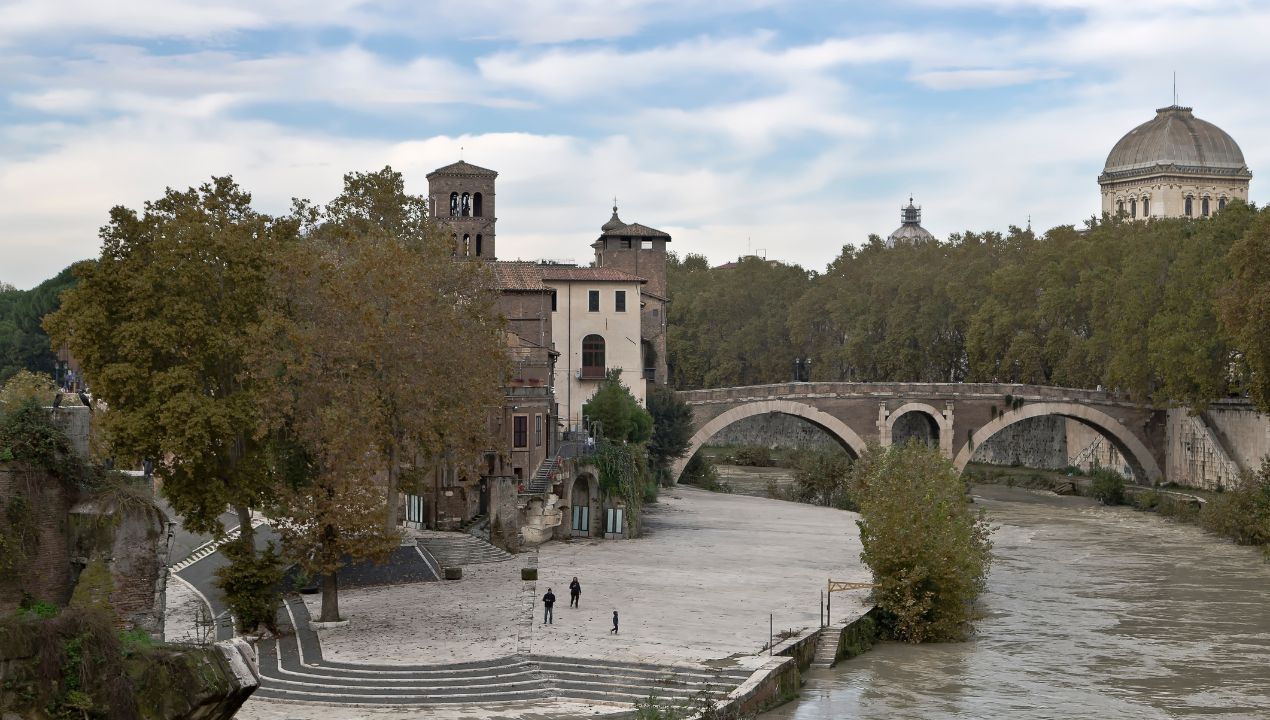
[{"x": 694, "y": 595}]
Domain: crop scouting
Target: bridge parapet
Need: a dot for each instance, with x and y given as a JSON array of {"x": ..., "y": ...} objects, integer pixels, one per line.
[{"x": 882, "y": 391}]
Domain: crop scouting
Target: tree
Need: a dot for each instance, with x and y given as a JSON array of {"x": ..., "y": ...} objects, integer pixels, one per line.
[
  {"x": 929, "y": 552},
  {"x": 617, "y": 413},
  {"x": 672, "y": 430},
  {"x": 24, "y": 345},
  {"x": 1244, "y": 307},
  {"x": 26, "y": 385},
  {"x": 384, "y": 350},
  {"x": 162, "y": 324},
  {"x": 822, "y": 478}
]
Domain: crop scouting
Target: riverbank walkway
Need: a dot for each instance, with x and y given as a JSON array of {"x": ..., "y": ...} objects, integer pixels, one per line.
[{"x": 694, "y": 595}]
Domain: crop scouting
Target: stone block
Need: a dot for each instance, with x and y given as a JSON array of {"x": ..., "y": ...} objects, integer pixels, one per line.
[
  {"x": 529, "y": 573},
  {"x": 453, "y": 573}
]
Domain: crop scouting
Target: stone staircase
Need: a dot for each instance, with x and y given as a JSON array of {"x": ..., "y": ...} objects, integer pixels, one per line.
[
  {"x": 541, "y": 481},
  {"x": 827, "y": 647},
  {"x": 292, "y": 668},
  {"x": 456, "y": 549},
  {"x": 215, "y": 544}
]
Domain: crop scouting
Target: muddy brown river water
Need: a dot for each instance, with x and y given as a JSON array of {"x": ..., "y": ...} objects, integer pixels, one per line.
[{"x": 1091, "y": 612}]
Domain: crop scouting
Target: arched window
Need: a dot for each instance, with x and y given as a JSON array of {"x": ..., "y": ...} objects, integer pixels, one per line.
[
  {"x": 454, "y": 243},
  {"x": 479, "y": 249},
  {"x": 1120, "y": 207},
  {"x": 1190, "y": 206},
  {"x": 1146, "y": 207},
  {"x": 593, "y": 357},
  {"x": 477, "y": 210},
  {"x": 1203, "y": 207},
  {"x": 466, "y": 208},
  {"x": 1133, "y": 207},
  {"x": 467, "y": 244},
  {"x": 454, "y": 204},
  {"x": 1221, "y": 203}
]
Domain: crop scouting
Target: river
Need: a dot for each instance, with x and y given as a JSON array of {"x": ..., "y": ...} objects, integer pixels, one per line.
[{"x": 1090, "y": 612}]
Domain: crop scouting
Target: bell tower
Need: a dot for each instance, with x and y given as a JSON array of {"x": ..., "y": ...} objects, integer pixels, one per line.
[
  {"x": 641, "y": 250},
  {"x": 461, "y": 198}
]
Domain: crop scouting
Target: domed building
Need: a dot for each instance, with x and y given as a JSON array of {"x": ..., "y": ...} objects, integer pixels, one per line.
[
  {"x": 1174, "y": 165},
  {"x": 910, "y": 230}
]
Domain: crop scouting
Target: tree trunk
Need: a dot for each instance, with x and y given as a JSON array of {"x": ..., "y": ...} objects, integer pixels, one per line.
[
  {"x": 247, "y": 534},
  {"x": 394, "y": 472},
  {"x": 330, "y": 597}
]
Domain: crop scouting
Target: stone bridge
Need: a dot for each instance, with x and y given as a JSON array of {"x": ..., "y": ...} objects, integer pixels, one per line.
[{"x": 957, "y": 416}]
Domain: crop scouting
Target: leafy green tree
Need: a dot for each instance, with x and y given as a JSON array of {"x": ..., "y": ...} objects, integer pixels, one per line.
[
  {"x": 929, "y": 552},
  {"x": 383, "y": 350},
  {"x": 26, "y": 385},
  {"x": 24, "y": 345},
  {"x": 823, "y": 478},
  {"x": 162, "y": 325},
  {"x": 616, "y": 412},
  {"x": 1244, "y": 307},
  {"x": 672, "y": 430}
]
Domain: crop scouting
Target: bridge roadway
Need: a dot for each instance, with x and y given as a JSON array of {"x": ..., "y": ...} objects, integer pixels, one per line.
[{"x": 960, "y": 415}]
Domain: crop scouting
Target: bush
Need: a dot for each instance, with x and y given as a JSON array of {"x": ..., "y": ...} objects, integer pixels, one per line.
[
  {"x": 753, "y": 456},
  {"x": 251, "y": 583},
  {"x": 822, "y": 478},
  {"x": 1107, "y": 487},
  {"x": 701, "y": 472},
  {"x": 1242, "y": 512},
  {"x": 929, "y": 552}
]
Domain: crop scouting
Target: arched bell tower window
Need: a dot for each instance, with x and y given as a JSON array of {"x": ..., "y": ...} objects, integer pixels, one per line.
[
  {"x": 465, "y": 208},
  {"x": 477, "y": 210},
  {"x": 479, "y": 250},
  {"x": 1133, "y": 207},
  {"x": 1146, "y": 207},
  {"x": 454, "y": 204},
  {"x": 1190, "y": 206},
  {"x": 1203, "y": 207},
  {"x": 454, "y": 243},
  {"x": 467, "y": 244}
]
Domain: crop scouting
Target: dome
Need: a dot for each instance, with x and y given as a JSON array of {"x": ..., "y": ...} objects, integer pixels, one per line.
[
  {"x": 1177, "y": 140},
  {"x": 910, "y": 229},
  {"x": 614, "y": 222}
]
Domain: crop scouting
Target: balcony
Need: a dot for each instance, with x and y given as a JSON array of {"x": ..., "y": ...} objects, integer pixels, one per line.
[{"x": 591, "y": 372}]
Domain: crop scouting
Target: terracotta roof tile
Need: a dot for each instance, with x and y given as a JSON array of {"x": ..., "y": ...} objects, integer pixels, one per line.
[
  {"x": 594, "y": 274},
  {"x": 521, "y": 276}
]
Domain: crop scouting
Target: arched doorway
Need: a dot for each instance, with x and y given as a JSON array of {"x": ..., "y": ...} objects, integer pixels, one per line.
[{"x": 580, "y": 506}]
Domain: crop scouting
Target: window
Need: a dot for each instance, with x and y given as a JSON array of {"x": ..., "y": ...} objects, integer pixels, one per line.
[
  {"x": 1203, "y": 207},
  {"x": 1221, "y": 203},
  {"x": 477, "y": 210},
  {"x": 465, "y": 207},
  {"x": 1133, "y": 207},
  {"x": 415, "y": 509},
  {"x": 479, "y": 243},
  {"x": 1120, "y": 207},
  {"x": 626, "y": 243},
  {"x": 593, "y": 357},
  {"x": 467, "y": 244},
  {"x": 538, "y": 430},
  {"x": 1146, "y": 207},
  {"x": 615, "y": 524},
  {"x": 520, "y": 431},
  {"x": 619, "y": 301},
  {"x": 1190, "y": 208},
  {"x": 646, "y": 245},
  {"x": 553, "y": 301},
  {"x": 454, "y": 243},
  {"x": 454, "y": 204},
  {"x": 593, "y": 300}
]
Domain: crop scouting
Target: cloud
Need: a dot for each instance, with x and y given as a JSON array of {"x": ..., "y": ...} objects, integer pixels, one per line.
[{"x": 983, "y": 78}]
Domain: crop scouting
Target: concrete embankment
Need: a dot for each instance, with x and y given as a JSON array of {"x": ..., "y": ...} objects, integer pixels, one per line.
[{"x": 778, "y": 681}]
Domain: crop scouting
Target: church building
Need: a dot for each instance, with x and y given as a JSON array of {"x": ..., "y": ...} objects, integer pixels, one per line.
[{"x": 1174, "y": 165}]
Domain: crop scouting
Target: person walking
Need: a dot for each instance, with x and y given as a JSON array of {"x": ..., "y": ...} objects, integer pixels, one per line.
[
  {"x": 614, "y": 630},
  {"x": 548, "y": 601},
  {"x": 575, "y": 592}
]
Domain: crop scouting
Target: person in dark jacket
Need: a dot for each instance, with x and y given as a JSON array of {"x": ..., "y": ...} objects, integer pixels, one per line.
[
  {"x": 575, "y": 592},
  {"x": 614, "y": 630},
  {"x": 548, "y": 601}
]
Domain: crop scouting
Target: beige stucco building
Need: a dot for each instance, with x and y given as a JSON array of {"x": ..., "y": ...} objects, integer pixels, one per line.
[{"x": 1174, "y": 165}]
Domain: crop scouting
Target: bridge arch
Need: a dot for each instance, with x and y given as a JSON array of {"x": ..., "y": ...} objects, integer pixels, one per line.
[
  {"x": 823, "y": 420},
  {"x": 1125, "y": 441}
]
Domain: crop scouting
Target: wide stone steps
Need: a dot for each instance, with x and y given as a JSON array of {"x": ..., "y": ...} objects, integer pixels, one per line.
[
  {"x": 827, "y": 647},
  {"x": 456, "y": 549}
]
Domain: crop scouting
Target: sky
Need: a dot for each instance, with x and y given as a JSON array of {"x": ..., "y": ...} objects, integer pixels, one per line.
[{"x": 789, "y": 129}]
